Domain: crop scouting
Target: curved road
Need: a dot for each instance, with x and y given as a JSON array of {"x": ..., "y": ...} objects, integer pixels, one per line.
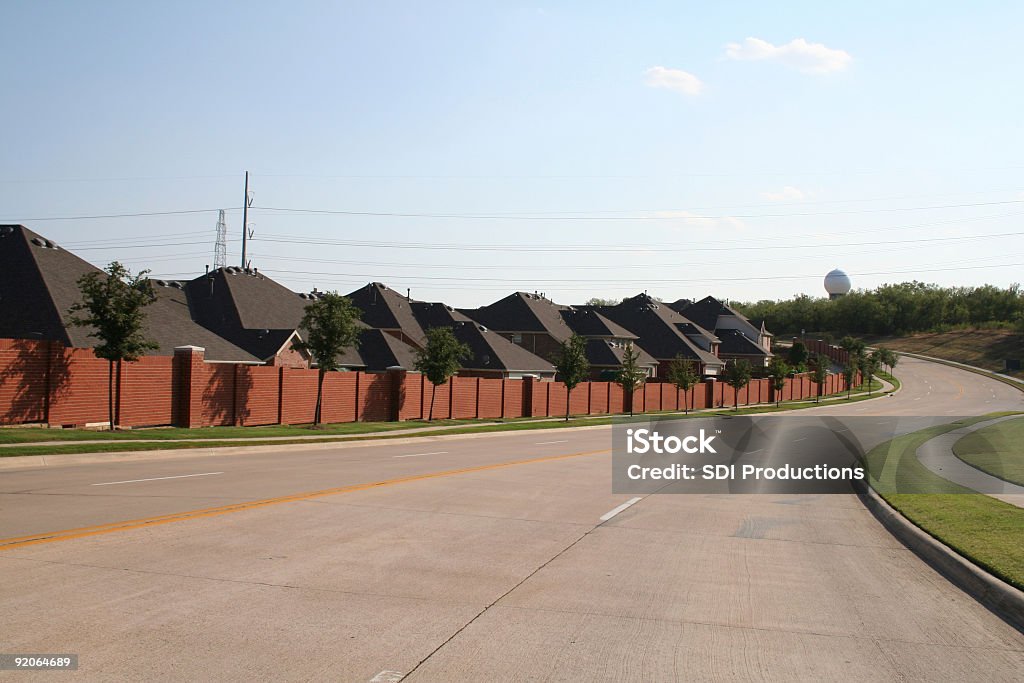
[{"x": 485, "y": 558}]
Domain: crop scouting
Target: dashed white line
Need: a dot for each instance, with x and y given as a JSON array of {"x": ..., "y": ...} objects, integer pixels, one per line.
[
  {"x": 608, "y": 515},
  {"x": 802, "y": 438},
  {"x": 545, "y": 443},
  {"x": 752, "y": 452},
  {"x": 416, "y": 455},
  {"x": 179, "y": 476}
]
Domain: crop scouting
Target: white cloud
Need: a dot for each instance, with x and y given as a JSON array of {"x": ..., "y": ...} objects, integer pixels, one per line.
[
  {"x": 809, "y": 58},
  {"x": 673, "y": 79},
  {"x": 788, "y": 193}
]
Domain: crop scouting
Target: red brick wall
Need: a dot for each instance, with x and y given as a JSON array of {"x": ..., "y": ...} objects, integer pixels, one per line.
[{"x": 186, "y": 390}]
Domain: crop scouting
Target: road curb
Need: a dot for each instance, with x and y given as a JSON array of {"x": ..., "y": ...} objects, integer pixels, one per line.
[{"x": 995, "y": 594}]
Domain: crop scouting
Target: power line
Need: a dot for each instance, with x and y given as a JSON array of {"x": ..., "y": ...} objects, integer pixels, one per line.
[
  {"x": 683, "y": 213},
  {"x": 109, "y": 215}
]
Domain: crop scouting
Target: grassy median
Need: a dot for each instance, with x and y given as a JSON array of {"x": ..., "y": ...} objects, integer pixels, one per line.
[
  {"x": 997, "y": 450},
  {"x": 984, "y": 530}
]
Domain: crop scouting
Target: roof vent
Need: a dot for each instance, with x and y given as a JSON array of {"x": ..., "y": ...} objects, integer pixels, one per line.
[
  {"x": 39, "y": 242},
  {"x": 161, "y": 283},
  {"x": 481, "y": 328},
  {"x": 449, "y": 308},
  {"x": 50, "y": 244}
]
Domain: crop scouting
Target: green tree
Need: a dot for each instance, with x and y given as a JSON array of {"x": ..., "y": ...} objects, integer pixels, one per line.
[
  {"x": 630, "y": 375},
  {"x": 113, "y": 305},
  {"x": 573, "y": 366},
  {"x": 778, "y": 371},
  {"x": 440, "y": 359},
  {"x": 819, "y": 373},
  {"x": 737, "y": 375},
  {"x": 798, "y": 356},
  {"x": 682, "y": 372},
  {"x": 598, "y": 301},
  {"x": 331, "y": 324},
  {"x": 869, "y": 365},
  {"x": 850, "y": 375}
]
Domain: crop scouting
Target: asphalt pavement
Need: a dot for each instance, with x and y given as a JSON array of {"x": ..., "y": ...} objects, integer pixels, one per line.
[{"x": 497, "y": 557}]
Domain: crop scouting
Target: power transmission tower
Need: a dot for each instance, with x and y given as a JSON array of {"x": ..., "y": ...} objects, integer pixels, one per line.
[{"x": 220, "y": 248}]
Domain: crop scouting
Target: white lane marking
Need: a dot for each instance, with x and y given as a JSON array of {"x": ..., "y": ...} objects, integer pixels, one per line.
[
  {"x": 608, "y": 515},
  {"x": 841, "y": 430},
  {"x": 545, "y": 443},
  {"x": 180, "y": 476},
  {"x": 416, "y": 455},
  {"x": 752, "y": 452},
  {"x": 387, "y": 677},
  {"x": 802, "y": 438}
]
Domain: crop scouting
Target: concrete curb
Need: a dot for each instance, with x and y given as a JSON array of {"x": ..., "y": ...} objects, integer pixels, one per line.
[{"x": 997, "y": 595}]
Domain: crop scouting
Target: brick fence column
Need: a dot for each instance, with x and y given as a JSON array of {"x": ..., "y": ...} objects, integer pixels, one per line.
[
  {"x": 398, "y": 376},
  {"x": 528, "y": 386},
  {"x": 189, "y": 379}
]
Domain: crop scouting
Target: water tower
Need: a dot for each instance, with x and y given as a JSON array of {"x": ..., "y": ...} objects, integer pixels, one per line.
[{"x": 837, "y": 284}]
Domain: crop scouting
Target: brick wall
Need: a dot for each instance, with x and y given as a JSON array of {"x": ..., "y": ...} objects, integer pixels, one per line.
[{"x": 46, "y": 383}]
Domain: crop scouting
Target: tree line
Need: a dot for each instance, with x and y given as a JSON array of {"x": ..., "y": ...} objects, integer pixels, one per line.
[{"x": 893, "y": 309}]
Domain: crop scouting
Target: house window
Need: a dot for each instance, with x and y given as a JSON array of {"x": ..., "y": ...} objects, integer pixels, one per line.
[{"x": 517, "y": 339}]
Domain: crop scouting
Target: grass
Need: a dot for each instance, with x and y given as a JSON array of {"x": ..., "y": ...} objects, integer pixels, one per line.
[
  {"x": 984, "y": 348},
  {"x": 997, "y": 450},
  {"x": 87, "y": 441},
  {"x": 984, "y": 530}
]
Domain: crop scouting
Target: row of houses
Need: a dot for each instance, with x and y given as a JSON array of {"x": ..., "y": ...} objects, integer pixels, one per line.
[{"x": 242, "y": 316}]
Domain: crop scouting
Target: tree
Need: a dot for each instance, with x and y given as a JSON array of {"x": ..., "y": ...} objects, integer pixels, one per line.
[
  {"x": 887, "y": 357},
  {"x": 572, "y": 365},
  {"x": 819, "y": 374},
  {"x": 798, "y": 356},
  {"x": 440, "y": 359},
  {"x": 850, "y": 375},
  {"x": 737, "y": 376},
  {"x": 113, "y": 304},
  {"x": 598, "y": 301},
  {"x": 682, "y": 373},
  {"x": 869, "y": 368},
  {"x": 630, "y": 375},
  {"x": 332, "y": 325},
  {"x": 778, "y": 371}
]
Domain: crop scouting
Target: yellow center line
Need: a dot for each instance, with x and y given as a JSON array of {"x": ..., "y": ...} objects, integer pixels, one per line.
[{"x": 82, "y": 532}]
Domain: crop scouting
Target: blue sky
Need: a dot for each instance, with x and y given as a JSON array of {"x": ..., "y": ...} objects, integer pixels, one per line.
[{"x": 576, "y": 148}]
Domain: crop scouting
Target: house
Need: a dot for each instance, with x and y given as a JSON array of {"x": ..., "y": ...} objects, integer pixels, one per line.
[
  {"x": 665, "y": 334},
  {"x": 39, "y": 285},
  {"x": 740, "y": 338},
  {"x": 385, "y": 309},
  {"x": 264, "y": 318},
  {"x": 492, "y": 355},
  {"x": 541, "y": 326}
]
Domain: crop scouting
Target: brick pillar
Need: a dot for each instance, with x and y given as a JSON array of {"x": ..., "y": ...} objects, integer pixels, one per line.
[
  {"x": 189, "y": 380},
  {"x": 398, "y": 377},
  {"x": 528, "y": 386}
]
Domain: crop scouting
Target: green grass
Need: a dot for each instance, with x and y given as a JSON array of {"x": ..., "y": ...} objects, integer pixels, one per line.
[
  {"x": 86, "y": 441},
  {"x": 984, "y": 348},
  {"x": 997, "y": 450},
  {"x": 984, "y": 530}
]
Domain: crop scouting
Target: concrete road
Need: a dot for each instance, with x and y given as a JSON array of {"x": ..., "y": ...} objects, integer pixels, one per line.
[{"x": 486, "y": 558}]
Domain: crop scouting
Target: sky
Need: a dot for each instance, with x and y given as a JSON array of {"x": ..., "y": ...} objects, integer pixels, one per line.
[{"x": 466, "y": 150}]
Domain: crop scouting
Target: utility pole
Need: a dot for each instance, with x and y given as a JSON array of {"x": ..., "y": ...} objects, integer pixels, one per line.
[{"x": 245, "y": 222}]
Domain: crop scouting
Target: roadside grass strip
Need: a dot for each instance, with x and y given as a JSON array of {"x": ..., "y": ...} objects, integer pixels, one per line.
[
  {"x": 997, "y": 450},
  {"x": 982, "y": 529}
]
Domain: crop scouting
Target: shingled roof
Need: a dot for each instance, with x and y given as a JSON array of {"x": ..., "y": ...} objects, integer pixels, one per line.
[
  {"x": 588, "y": 322},
  {"x": 661, "y": 331},
  {"x": 490, "y": 350},
  {"x": 524, "y": 312},
  {"x": 386, "y": 309},
  {"x": 604, "y": 353},
  {"x": 39, "y": 285}
]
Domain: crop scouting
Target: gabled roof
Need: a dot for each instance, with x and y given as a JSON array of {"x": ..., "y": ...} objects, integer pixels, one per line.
[
  {"x": 524, "y": 312},
  {"x": 378, "y": 350},
  {"x": 587, "y": 322},
  {"x": 707, "y": 311},
  {"x": 735, "y": 342},
  {"x": 39, "y": 285},
  {"x": 386, "y": 309},
  {"x": 490, "y": 350},
  {"x": 658, "y": 328},
  {"x": 604, "y": 353}
]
